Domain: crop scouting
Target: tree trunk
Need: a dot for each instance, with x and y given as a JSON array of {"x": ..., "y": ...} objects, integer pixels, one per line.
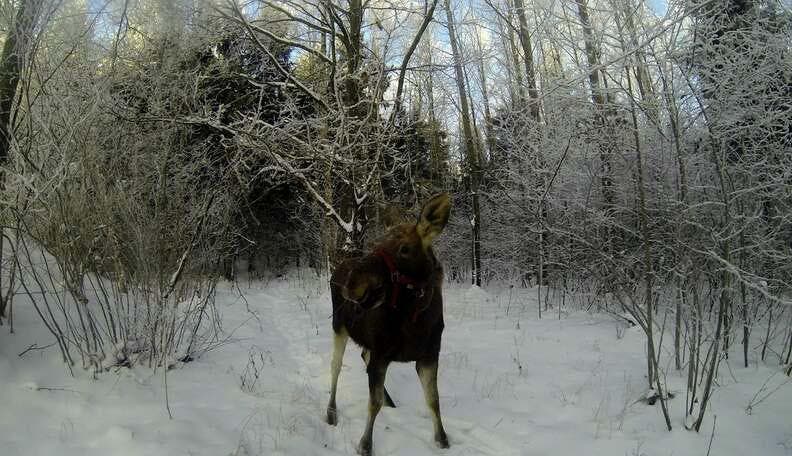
[
  {"x": 515, "y": 65},
  {"x": 600, "y": 106},
  {"x": 490, "y": 139},
  {"x": 437, "y": 155},
  {"x": 408, "y": 55},
  {"x": 470, "y": 147},
  {"x": 673, "y": 118},
  {"x": 725, "y": 304},
  {"x": 744, "y": 304},
  {"x": 530, "y": 73},
  {"x": 648, "y": 272},
  {"x": 640, "y": 70},
  {"x": 352, "y": 199},
  {"x": 11, "y": 60},
  {"x": 353, "y": 45}
]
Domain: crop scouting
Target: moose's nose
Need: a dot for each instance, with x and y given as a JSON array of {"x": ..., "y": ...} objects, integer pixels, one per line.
[
  {"x": 360, "y": 286},
  {"x": 355, "y": 292}
]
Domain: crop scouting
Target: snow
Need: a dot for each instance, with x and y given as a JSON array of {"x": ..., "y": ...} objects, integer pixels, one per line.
[{"x": 510, "y": 384}]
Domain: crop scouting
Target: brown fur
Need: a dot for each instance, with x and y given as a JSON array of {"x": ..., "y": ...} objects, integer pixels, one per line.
[{"x": 410, "y": 330}]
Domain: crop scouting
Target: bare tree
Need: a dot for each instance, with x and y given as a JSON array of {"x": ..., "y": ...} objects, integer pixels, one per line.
[{"x": 473, "y": 165}]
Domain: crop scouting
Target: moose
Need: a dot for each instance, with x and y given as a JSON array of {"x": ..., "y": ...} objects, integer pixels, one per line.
[{"x": 390, "y": 303}]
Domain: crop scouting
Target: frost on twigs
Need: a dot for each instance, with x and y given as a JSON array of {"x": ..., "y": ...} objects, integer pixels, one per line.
[
  {"x": 258, "y": 362},
  {"x": 111, "y": 325}
]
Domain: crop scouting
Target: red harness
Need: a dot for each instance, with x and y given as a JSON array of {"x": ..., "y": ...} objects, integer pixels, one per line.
[{"x": 400, "y": 280}]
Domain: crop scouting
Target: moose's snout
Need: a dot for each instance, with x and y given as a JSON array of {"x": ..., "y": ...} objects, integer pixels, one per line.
[{"x": 359, "y": 286}]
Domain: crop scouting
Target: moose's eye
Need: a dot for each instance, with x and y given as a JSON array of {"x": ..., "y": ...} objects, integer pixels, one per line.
[{"x": 404, "y": 250}]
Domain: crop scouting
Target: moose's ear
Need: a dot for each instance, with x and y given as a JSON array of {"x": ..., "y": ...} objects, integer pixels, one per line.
[{"x": 434, "y": 217}]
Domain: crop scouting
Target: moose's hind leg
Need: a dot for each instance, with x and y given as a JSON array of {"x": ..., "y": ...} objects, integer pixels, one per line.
[
  {"x": 340, "y": 339},
  {"x": 365, "y": 354},
  {"x": 427, "y": 372}
]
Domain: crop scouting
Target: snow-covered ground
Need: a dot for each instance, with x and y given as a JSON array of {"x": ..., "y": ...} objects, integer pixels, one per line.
[{"x": 510, "y": 384}]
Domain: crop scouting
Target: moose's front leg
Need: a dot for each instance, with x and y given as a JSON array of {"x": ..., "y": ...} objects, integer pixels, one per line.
[
  {"x": 340, "y": 339},
  {"x": 376, "y": 374},
  {"x": 427, "y": 372}
]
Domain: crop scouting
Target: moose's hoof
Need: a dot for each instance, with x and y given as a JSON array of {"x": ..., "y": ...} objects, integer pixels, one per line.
[
  {"x": 364, "y": 447},
  {"x": 442, "y": 440},
  {"x": 332, "y": 416}
]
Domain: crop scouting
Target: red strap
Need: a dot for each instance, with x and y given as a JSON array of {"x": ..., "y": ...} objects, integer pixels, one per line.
[
  {"x": 388, "y": 261},
  {"x": 398, "y": 279}
]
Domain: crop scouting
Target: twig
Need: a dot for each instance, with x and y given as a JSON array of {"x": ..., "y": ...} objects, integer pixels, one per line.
[
  {"x": 35, "y": 346},
  {"x": 167, "y": 400},
  {"x": 754, "y": 401},
  {"x": 239, "y": 18},
  {"x": 67, "y": 390},
  {"x": 558, "y": 168},
  {"x": 196, "y": 236},
  {"x": 712, "y": 435},
  {"x": 406, "y": 61}
]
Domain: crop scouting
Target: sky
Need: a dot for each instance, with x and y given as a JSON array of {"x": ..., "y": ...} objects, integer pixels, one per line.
[{"x": 659, "y": 6}]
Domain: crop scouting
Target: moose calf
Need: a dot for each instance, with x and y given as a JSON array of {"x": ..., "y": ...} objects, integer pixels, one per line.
[{"x": 390, "y": 303}]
